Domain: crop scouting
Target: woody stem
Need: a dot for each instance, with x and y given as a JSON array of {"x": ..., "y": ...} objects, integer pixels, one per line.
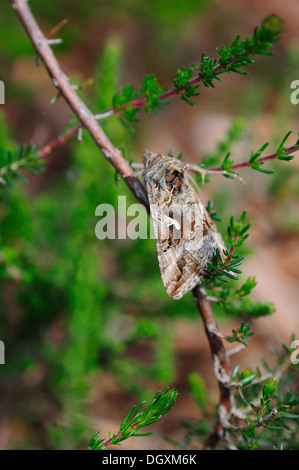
[
  {"x": 220, "y": 360},
  {"x": 113, "y": 155}
]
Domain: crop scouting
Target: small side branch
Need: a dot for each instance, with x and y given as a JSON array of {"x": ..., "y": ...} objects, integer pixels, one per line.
[
  {"x": 221, "y": 365},
  {"x": 237, "y": 166}
]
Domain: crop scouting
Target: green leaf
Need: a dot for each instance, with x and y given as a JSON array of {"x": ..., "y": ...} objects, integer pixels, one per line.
[
  {"x": 288, "y": 415},
  {"x": 269, "y": 389},
  {"x": 198, "y": 389},
  {"x": 13, "y": 162},
  {"x": 235, "y": 372},
  {"x": 248, "y": 380},
  {"x": 135, "y": 419}
]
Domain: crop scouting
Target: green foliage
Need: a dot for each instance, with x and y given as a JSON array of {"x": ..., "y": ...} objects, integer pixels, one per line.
[
  {"x": 227, "y": 166},
  {"x": 226, "y": 294},
  {"x": 237, "y": 231},
  {"x": 255, "y": 164},
  {"x": 241, "y": 334},
  {"x": 269, "y": 414},
  {"x": 281, "y": 150},
  {"x": 24, "y": 157},
  {"x": 108, "y": 68},
  {"x": 103, "y": 301},
  {"x": 181, "y": 83},
  {"x": 246, "y": 288},
  {"x": 223, "y": 269},
  {"x": 161, "y": 404},
  {"x": 122, "y": 103},
  {"x": 151, "y": 90},
  {"x": 269, "y": 407},
  {"x": 239, "y": 54},
  {"x": 198, "y": 389},
  {"x": 234, "y": 301},
  {"x": 234, "y": 133},
  {"x": 248, "y": 308},
  {"x": 256, "y": 161},
  {"x": 211, "y": 211}
]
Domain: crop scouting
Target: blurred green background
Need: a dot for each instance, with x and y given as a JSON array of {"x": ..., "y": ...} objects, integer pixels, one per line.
[{"x": 87, "y": 325}]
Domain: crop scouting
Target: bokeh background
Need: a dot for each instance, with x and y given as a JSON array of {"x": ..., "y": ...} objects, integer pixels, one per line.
[{"x": 87, "y": 325}]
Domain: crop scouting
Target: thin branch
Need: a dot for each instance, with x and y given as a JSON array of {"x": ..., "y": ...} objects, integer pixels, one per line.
[
  {"x": 138, "y": 103},
  {"x": 141, "y": 102},
  {"x": 235, "y": 350},
  {"x": 272, "y": 156},
  {"x": 88, "y": 121},
  {"x": 60, "y": 140},
  {"x": 64, "y": 138},
  {"x": 221, "y": 364}
]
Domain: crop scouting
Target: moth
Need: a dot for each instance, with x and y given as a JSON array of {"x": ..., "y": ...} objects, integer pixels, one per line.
[{"x": 186, "y": 237}]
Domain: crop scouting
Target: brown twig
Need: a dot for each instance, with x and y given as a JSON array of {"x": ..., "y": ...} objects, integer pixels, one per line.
[
  {"x": 236, "y": 166},
  {"x": 64, "y": 138},
  {"x": 141, "y": 102},
  {"x": 221, "y": 365},
  {"x": 87, "y": 119},
  {"x": 60, "y": 140},
  {"x": 272, "y": 156}
]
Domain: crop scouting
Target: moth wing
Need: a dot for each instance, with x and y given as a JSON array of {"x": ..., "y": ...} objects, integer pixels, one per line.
[{"x": 182, "y": 261}]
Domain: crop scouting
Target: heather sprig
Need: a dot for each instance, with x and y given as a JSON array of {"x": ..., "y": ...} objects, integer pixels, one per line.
[
  {"x": 12, "y": 162},
  {"x": 151, "y": 95},
  {"x": 161, "y": 404}
]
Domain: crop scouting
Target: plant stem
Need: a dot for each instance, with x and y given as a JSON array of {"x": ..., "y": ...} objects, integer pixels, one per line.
[
  {"x": 272, "y": 156},
  {"x": 60, "y": 140},
  {"x": 221, "y": 363},
  {"x": 113, "y": 155},
  {"x": 141, "y": 102}
]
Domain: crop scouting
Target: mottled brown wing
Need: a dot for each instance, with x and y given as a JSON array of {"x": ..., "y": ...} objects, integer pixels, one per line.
[{"x": 185, "y": 238}]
